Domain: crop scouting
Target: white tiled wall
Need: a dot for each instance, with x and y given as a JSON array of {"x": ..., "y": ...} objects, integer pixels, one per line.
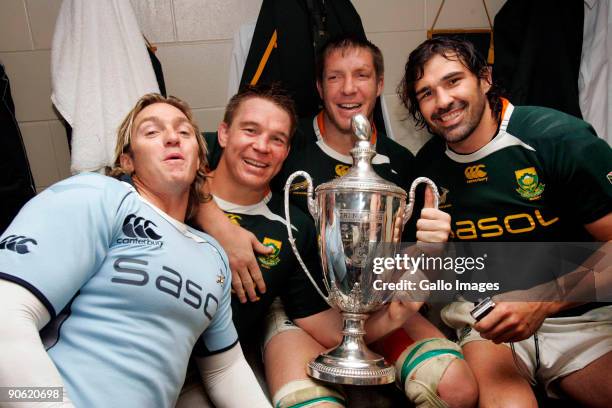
[{"x": 194, "y": 40}]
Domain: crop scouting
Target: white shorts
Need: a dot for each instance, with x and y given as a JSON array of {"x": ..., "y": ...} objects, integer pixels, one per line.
[
  {"x": 276, "y": 321},
  {"x": 566, "y": 344}
]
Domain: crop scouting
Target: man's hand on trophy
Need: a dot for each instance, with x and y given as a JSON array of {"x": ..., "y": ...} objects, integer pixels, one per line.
[
  {"x": 246, "y": 276},
  {"x": 433, "y": 225}
]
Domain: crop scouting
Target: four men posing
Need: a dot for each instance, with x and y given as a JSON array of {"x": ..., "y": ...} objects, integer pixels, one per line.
[{"x": 448, "y": 88}]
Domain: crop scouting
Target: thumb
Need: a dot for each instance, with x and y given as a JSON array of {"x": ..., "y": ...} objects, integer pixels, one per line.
[
  {"x": 429, "y": 198},
  {"x": 260, "y": 248}
]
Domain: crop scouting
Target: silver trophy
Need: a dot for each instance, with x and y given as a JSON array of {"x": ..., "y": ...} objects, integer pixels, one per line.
[{"x": 354, "y": 215}]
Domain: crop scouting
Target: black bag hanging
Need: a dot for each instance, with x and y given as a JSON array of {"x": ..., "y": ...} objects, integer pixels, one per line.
[
  {"x": 157, "y": 67},
  {"x": 16, "y": 182},
  {"x": 538, "y": 45},
  {"x": 286, "y": 37}
]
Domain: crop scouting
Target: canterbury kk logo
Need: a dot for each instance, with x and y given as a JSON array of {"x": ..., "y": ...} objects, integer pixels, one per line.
[
  {"x": 17, "y": 243},
  {"x": 138, "y": 227},
  {"x": 475, "y": 173}
]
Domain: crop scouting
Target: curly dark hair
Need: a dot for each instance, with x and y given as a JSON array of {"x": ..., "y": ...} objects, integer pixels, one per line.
[{"x": 451, "y": 49}]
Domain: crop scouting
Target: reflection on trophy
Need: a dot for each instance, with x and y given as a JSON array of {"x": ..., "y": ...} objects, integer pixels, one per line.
[{"x": 354, "y": 215}]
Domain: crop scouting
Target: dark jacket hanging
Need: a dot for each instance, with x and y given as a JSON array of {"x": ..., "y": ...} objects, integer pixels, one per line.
[
  {"x": 16, "y": 183},
  {"x": 300, "y": 26},
  {"x": 159, "y": 73},
  {"x": 537, "y": 52}
]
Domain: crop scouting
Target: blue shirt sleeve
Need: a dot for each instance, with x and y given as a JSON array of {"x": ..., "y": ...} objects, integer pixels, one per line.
[{"x": 60, "y": 237}]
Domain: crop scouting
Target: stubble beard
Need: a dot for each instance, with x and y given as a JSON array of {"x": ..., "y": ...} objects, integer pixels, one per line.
[{"x": 461, "y": 131}]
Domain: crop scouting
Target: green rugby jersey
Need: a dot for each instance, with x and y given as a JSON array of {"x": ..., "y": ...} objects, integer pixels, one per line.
[
  {"x": 310, "y": 153},
  {"x": 542, "y": 177},
  {"x": 283, "y": 275}
]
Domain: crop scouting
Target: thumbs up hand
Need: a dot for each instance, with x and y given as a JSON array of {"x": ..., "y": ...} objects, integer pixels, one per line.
[{"x": 434, "y": 224}]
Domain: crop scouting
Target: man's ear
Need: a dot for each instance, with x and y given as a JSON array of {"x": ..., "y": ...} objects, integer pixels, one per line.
[
  {"x": 223, "y": 134},
  {"x": 380, "y": 85},
  {"x": 320, "y": 89},
  {"x": 126, "y": 162},
  {"x": 486, "y": 79}
]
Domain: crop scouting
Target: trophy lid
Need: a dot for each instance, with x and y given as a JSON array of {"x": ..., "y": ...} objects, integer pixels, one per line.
[{"x": 361, "y": 176}]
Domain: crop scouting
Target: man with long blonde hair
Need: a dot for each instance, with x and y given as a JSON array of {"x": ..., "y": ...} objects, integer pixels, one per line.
[{"x": 132, "y": 287}]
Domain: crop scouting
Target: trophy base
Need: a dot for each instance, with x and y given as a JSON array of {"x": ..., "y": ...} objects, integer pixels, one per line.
[
  {"x": 352, "y": 362},
  {"x": 345, "y": 371}
]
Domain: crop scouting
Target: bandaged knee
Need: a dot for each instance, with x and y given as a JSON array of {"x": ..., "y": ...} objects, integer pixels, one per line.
[
  {"x": 420, "y": 368},
  {"x": 277, "y": 321},
  {"x": 306, "y": 393}
]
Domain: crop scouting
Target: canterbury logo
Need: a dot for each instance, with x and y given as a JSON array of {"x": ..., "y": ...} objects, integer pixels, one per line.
[
  {"x": 138, "y": 227},
  {"x": 17, "y": 243},
  {"x": 475, "y": 173}
]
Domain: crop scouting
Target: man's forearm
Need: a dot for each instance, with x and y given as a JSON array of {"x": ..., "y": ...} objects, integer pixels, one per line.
[
  {"x": 211, "y": 219},
  {"x": 23, "y": 359},
  {"x": 589, "y": 282},
  {"x": 229, "y": 381}
]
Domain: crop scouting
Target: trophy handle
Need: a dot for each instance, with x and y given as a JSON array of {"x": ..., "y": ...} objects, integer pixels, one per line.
[
  {"x": 410, "y": 204},
  {"x": 314, "y": 211}
]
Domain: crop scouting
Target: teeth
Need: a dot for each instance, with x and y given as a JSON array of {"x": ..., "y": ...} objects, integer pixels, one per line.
[
  {"x": 256, "y": 163},
  {"x": 450, "y": 116},
  {"x": 350, "y": 105}
]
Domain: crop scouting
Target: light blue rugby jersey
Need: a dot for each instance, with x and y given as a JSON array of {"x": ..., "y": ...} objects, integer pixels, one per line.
[{"x": 144, "y": 290}]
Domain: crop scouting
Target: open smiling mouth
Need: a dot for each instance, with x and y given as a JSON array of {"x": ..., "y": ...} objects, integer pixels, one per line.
[
  {"x": 349, "y": 106},
  {"x": 256, "y": 163},
  {"x": 450, "y": 116}
]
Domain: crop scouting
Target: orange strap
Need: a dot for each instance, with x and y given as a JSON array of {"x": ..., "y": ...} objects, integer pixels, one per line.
[
  {"x": 321, "y": 124},
  {"x": 264, "y": 59},
  {"x": 505, "y": 103}
]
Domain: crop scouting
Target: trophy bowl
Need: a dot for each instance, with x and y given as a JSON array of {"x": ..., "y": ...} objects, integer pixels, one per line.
[{"x": 358, "y": 217}]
